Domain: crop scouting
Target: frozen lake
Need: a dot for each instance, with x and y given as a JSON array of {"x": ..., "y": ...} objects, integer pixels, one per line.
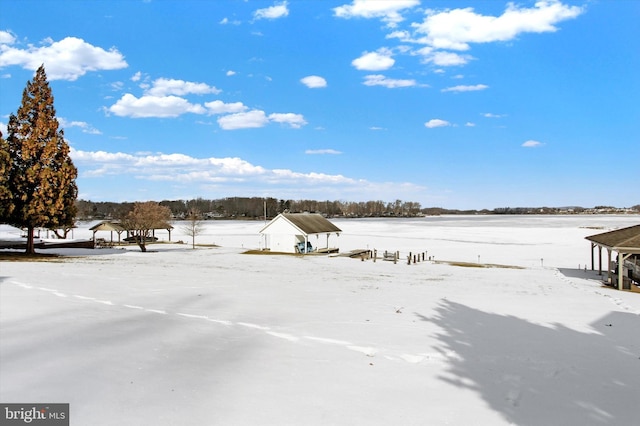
[{"x": 213, "y": 336}]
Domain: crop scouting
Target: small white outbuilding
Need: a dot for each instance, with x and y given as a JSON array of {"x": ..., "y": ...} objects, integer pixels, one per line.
[{"x": 293, "y": 233}]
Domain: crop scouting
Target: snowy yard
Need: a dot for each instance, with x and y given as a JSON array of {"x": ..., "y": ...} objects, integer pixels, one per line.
[{"x": 213, "y": 336}]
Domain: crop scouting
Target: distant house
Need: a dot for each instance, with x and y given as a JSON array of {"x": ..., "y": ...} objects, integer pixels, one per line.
[{"x": 295, "y": 232}]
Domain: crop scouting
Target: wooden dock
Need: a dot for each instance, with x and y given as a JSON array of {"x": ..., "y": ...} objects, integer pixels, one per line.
[
  {"x": 326, "y": 250},
  {"x": 357, "y": 253}
]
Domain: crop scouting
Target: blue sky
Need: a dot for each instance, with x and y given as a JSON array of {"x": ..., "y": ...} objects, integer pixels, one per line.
[{"x": 456, "y": 104}]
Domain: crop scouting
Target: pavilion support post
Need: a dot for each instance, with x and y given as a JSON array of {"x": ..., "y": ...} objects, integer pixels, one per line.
[
  {"x": 620, "y": 269},
  {"x": 599, "y": 260},
  {"x": 609, "y": 264},
  {"x": 593, "y": 263},
  {"x": 621, "y": 258}
]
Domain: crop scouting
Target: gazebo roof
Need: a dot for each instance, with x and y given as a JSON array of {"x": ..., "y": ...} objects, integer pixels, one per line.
[
  {"x": 106, "y": 225},
  {"x": 626, "y": 240}
]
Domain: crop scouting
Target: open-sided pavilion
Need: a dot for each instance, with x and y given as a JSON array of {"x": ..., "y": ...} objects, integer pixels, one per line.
[
  {"x": 106, "y": 225},
  {"x": 626, "y": 243}
]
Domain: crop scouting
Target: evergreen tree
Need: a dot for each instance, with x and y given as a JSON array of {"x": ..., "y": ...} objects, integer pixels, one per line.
[
  {"x": 42, "y": 176},
  {"x": 6, "y": 201}
]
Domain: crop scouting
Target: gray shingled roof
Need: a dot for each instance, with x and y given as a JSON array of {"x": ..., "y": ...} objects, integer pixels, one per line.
[
  {"x": 311, "y": 223},
  {"x": 624, "y": 238}
]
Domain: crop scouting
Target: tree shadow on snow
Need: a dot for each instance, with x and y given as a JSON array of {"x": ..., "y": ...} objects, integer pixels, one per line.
[{"x": 543, "y": 375}]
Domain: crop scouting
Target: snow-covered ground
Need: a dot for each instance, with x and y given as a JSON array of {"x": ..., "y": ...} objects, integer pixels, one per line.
[{"x": 212, "y": 336}]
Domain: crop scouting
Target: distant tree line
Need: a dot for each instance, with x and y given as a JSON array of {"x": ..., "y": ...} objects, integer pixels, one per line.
[{"x": 256, "y": 207}]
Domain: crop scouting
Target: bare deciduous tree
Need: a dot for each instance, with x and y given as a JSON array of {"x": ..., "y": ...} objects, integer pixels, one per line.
[
  {"x": 144, "y": 218},
  {"x": 194, "y": 225}
]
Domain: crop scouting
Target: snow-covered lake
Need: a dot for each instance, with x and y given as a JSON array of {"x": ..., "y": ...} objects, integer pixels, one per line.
[{"x": 212, "y": 336}]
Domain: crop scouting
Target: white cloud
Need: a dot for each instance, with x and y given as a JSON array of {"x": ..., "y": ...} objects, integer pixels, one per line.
[
  {"x": 374, "y": 61},
  {"x": 154, "y": 106},
  {"x": 455, "y": 29},
  {"x": 230, "y": 73},
  {"x": 444, "y": 34},
  {"x": 136, "y": 77},
  {"x": 66, "y": 59},
  {"x": 84, "y": 126},
  {"x": 402, "y": 35},
  {"x": 100, "y": 156},
  {"x": 225, "y": 21},
  {"x": 294, "y": 120},
  {"x": 470, "y": 124},
  {"x": 219, "y": 107},
  {"x": 179, "y": 167},
  {"x": 186, "y": 169},
  {"x": 278, "y": 10},
  {"x": 381, "y": 80},
  {"x": 243, "y": 120},
  {"x": 7, "y": 38},
  {"x": 386, "y": 10},
  {"x": 167, "y": 86},
  {"x": 532, "y": 144},
  {"x": 492, "y": 115},
  {"x": 436, "y": 122},
  {"x": 314, "y": 82},
  {"x": 230, "y": 174},
  {"x": 235, "y": 115},
  {"x": 444, "y": 59},
  {"x": 313, "y": 177},
  {"x": 322, "y": 152},
  {"x": 463, "y": 88}
]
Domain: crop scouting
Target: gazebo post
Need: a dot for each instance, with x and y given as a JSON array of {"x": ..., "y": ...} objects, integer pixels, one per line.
[
  {"x": 622, "y": 257},
  {"x": 593, "y": 263},
  {"x": 599, "y": 260},
  {"x": 609, "y": 265},
  {"x": 620, "y": 269}
]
